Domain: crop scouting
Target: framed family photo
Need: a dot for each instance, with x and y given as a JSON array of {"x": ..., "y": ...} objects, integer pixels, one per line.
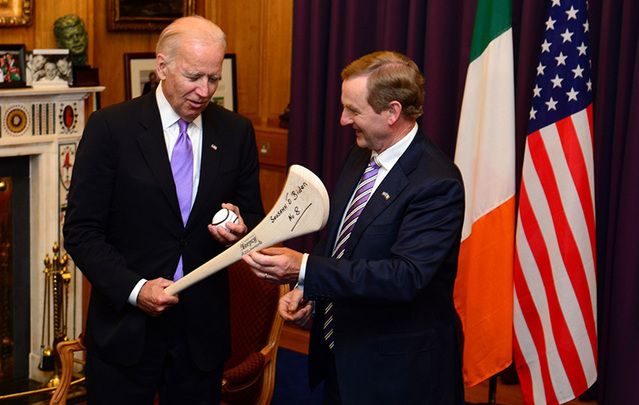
[
  {"x": 141, "y": 78},
  {"x": 12, "y": 66},
  {"x": 146, "y": 15},
  {"x": 49, "y": 67}
]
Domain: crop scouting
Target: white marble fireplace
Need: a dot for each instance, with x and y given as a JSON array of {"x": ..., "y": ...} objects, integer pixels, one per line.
[{"x": 45, "y": 125}]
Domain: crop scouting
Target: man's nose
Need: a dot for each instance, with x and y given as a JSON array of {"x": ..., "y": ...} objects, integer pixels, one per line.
[
  {"x": 345, "y": 118},
  {"x": 204, "y": 88}
]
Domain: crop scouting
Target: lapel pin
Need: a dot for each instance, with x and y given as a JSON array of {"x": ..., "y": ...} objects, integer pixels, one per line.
[
  {"x": 213, "y": 146},
  {"x": 385, "y": 195}
]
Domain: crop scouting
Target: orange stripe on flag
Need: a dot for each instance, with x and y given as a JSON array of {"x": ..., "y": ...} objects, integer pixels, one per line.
[{"x": 484, "y": 293}]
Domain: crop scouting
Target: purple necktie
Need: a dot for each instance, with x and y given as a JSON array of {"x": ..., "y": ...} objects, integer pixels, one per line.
[
  {"x": 360, "y": 198},
  {"x": 182, "y": 168}
]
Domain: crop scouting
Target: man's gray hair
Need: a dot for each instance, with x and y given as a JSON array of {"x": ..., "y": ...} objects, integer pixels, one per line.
[{"x": 191, "y": 27}]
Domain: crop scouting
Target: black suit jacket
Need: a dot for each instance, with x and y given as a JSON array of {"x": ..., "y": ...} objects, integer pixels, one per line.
[
  {"x": 394, "y": 320},
  {"x": 123, "y": 223}
]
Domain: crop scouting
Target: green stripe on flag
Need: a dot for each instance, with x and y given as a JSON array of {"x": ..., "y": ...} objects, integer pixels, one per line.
[{"x": 492, "y": 19}]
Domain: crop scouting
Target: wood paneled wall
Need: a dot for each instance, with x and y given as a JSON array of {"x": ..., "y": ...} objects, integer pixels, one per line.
[{"x": 259, "y": 32}]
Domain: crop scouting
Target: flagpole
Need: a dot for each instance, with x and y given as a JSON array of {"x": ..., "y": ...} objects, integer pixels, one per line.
[
  {"x": 492, "y": 393},
  {"x": 492, "y": 390}
]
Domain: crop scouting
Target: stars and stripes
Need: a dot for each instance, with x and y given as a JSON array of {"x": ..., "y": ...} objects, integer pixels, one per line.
[{"x": 554, "y": 272}]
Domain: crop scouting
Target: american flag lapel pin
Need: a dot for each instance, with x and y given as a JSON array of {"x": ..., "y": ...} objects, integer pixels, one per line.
[{"x": 385, "y": 195}]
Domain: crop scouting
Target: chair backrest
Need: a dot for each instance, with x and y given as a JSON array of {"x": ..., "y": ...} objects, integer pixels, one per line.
[
  {"x": 249, "y": 375},
  {"x": 253, "y": 310}
]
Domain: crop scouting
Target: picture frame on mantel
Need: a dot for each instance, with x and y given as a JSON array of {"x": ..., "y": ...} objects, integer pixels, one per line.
[
  {"x": 13, "y": 70},
  {"x": 16, "y": 13},
  {"x": 48, "y": 68},
  {"x": 146, "y": 15}
]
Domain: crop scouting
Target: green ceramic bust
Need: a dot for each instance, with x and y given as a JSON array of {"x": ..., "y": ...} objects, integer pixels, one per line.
[{"x": 71, "y": 34}]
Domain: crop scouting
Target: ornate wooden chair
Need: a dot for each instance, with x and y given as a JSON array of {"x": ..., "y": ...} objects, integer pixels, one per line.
[{"x": 66, "y": 349}]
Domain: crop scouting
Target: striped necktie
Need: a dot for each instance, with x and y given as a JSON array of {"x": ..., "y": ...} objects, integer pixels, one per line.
[
  {"x": 360, "y": 198},
  {"x": 182, "y": 168}
]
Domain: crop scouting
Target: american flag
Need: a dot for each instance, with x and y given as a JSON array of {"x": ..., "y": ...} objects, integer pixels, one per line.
[{"x": 554, "y": 274}]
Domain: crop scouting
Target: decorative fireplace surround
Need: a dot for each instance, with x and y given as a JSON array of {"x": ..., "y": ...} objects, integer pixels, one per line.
[{"x": 46, "y": 125}]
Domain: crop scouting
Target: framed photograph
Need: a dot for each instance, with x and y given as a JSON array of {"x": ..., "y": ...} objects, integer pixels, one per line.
[
  {"x": 146, "y": 15},
  {"x": 140, "y": 78},
  {"x": 226, "y": 93},
  {"x": 139, "y": 74},
  {"x": 12, "y": 66},
  {"x": 15, "y": 13},
  {"x": 49, "y": 68}
]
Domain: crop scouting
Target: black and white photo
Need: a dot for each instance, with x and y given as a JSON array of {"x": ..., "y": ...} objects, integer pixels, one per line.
[{"x": 49, "y": 67}]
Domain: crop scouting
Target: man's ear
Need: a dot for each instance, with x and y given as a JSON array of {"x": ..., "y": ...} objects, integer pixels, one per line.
[
  {"x": 394, "y": 112},
  {"x": 161, "y": 65}
]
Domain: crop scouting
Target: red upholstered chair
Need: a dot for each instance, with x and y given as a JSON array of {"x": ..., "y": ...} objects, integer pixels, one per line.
[{"x": 249, "y": 376}]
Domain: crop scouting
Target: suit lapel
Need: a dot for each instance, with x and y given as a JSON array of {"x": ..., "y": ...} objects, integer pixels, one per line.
[
  {"x": 153, "y": 147},
  {"x": 386, "y": 193}
]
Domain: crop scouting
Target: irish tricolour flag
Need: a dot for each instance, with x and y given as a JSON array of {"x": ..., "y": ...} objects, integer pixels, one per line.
[{"x": 485, "y": 154}]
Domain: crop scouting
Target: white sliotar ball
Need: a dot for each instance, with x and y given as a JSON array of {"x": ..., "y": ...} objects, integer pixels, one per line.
[{"x": 223, "y": 216}]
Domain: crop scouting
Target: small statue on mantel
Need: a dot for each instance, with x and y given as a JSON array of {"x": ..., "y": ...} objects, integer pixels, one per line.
[{"x": 70, "y": 33}]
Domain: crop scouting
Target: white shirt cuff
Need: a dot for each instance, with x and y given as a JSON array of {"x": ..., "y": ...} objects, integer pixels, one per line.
[
  {"x": 133, "y": 297},
  {"x": 300, "y": 277}
]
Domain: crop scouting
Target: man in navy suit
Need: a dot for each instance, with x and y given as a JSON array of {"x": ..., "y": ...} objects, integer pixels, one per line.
[
  {"x": 126, "y": 230},
  {"x": 379, "y": 285}
]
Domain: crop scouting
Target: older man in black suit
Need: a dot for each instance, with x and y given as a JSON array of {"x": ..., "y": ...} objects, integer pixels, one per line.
[
  {"x": 149, "y": 175},
  {"x": 380, "y": 283}
]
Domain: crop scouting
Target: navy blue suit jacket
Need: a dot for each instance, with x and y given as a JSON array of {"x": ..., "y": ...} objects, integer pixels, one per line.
[
  {"x": 123, "y": 223},
  {"x": 395, "y": 324}
]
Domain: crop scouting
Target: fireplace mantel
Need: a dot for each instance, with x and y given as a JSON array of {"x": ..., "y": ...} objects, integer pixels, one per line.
[{"x": 46, "y": 125}]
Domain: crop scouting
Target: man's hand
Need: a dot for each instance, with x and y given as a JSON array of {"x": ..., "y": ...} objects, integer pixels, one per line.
[
  {"x": 152, "y": 299},
  {"x": 236, "y": 231},
  {"x": 293, "y": 308},
  {"x": 276, "y": 264}
]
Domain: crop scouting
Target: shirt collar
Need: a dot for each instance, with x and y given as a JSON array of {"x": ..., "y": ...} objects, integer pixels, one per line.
[
  {"x": 390, "y": 156},
  {"x": 168, "y": 116}
]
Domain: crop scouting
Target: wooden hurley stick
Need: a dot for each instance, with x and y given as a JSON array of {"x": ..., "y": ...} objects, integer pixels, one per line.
[{"x": 301, "y": 208}]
